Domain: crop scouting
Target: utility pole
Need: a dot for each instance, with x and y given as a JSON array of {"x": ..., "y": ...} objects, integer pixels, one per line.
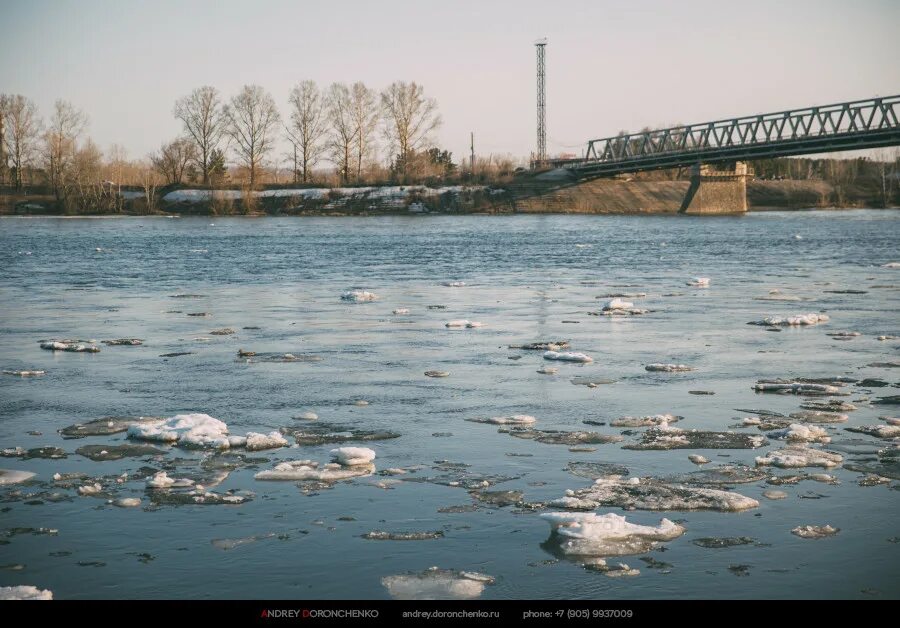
[{"x": 541, "y": 45}]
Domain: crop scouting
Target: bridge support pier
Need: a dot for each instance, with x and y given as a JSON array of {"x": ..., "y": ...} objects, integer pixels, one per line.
[{"x": 717, "y": 191}]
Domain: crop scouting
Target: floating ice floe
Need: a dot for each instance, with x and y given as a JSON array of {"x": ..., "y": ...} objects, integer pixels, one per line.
[
  {"x": 454, "y": 284},
  {"x": 645, "y": 421},
  {"x": 775, "y": 495},
  {"x": 619, "y": 307},
  {"x": 299, "y": 470},
  {"x": 819, "y": 416},
  {"x": 515, "y": 419},
  {"x": 882, "y": 338},
  {"x": 90, "y": 489},
  {"x": 724, "y": 475},
  {"x": 814, "y": 532},
  {"x": 559, "y": 437},
  {"x": 187, "y": 430},
  {"x": 652, "y": 494},
  {"x": 103, "y": 453},
  {"x": 437, "y": 584},
  {"x": 225, "y": 331},
  {"x": 796, "y": 388},
  {"x": 161, "y": 480},
  {"x": 381, "y": 535},
  {"x": 128, "y": 342},
  {"x": 307, "y": 416},
  {"x": 698, "y": 459},
  {"x": 437, "y": 374},
  {"x": 793, "y": 320},
  {"x": 321, "y": 433},
  {"x": 699, "y": 282},
  {"x": 846, "y": 335},
  {"x": 879, "y": 431},
  {"x": 14, "y": 476},
  {"x": 463, "y": 323},
  {"x": 104, "y": 426},
  {"x": 796, "y": 457},
  {"x": 594, "y": 470},
  {"x": 830, "y": 405},
  {"x": 891, "y": 265},
  {"x": 548, "y": 370},
  {"x": 568, "y": 356},
  {"x": 25, "y": 373},
  {"x": 352, "y": 456},
  {"x": 589, "y": 534},
  {"x": 668, "y": 368},
  {"x": 272, "y": 440},
  {"x": 401, "y": 311},
  {"x": 797, "y": 432},
  {"x": 73, "y": 346},
  {"x": 359, "y": 296},
  {"x": 25, "y": 592},
  {"x": 127, "y": 502},
  {"x": 550, "y": 345},
  {"x": 665, "y": 437}
]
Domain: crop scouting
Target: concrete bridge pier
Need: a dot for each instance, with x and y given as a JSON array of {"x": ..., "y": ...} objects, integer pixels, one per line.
[{"x": 717, "y": 191}]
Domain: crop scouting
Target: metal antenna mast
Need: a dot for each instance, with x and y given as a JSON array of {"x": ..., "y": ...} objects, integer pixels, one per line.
[{"x": 541, "y": 44}]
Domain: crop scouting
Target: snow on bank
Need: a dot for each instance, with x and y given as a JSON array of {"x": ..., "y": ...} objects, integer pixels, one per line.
[{"x": 389, "y": 193}]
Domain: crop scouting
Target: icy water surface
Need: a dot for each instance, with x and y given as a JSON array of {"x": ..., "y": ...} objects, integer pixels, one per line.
[{"x": 277, "y": 283}]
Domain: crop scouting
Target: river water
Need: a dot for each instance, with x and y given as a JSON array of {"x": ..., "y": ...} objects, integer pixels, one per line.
[{"x": 278, "y": 282}]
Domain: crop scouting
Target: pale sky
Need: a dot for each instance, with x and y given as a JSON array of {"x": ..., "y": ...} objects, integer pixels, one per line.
[{"x": 610, "y": 65}]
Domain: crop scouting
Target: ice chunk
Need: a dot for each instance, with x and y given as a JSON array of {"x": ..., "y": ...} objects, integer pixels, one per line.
[
  {"x": 618, "y": 304},
  {"x": 698, "y": 459},
  {"x": 454, "y": 284},
  {"x": 25, "y": 373},
  {"x": 160, "y": 480},
  {"x": 74, "y": 346},
  {"x": 437, "y": 374},
  {"x": 89, "y": 489},
  {"x": 437, "y": 584},
  {"x": 225, "y": 331},
  {"x": 187, "y": 430},
  {"x": 308, "y": 470},
  {"x": 128, "y": 342},
  {"x": 793, "y": 320},
  {"x": 590, "y": 534},
  {"x": 815, "y": 532},
  {"x": 352, "y": 456},
  {"x": 559, "y": 437},
  {"x": 879, "y": 431},
  {"x": 796, "y": 388},
  {"x": 774, "y": 495},
  {"x": 548, "y": 370},
  {"x": 699, "y": 282},
  {"x": 550, "y": 345},
  {"x": 668, "y": 368},
  {"x": 653, "y": 494},
  {"x": 568, "y": 356},
  {"x": 797, "y": 432},
  {"x": 797, "y": 457},
  {"x": 359, "y": 296},
  {"x": 665, "y": 437},
  {"x": 645, "y": 421},
  {"x": 463, "y": 323},
  {"x": 381, "y": 535},
  {"x": 14, "y": 476},
  {"x": 891, "y": 265},
  {"x": 272, "y": 440},
  {"x": 307, "y": 416},
  {"x": 25, "y": 592},
  {"x": 127, "y": 502},
  {"x": 515, "y": 419},
  {"x": 400, "y": 311}
]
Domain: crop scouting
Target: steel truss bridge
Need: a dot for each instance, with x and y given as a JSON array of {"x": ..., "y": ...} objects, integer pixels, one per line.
[{"x": 853, "y": 125}]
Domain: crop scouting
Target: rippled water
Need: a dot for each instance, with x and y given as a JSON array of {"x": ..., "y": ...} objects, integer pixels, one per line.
[{"x": 525, "y": 276}]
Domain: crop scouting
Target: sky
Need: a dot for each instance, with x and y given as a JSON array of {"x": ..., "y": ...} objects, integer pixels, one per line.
[{"x": 611, "y": 66}]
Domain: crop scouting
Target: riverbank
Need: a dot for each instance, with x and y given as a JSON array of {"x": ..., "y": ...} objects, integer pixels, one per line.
[{"x": 525, "y": 195}]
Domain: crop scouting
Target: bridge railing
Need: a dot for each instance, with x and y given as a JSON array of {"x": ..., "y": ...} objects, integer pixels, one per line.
[{"x": 863, "y": 118}]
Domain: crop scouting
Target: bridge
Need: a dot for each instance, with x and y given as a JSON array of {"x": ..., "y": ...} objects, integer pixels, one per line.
[{"x": 855, "y": 125}]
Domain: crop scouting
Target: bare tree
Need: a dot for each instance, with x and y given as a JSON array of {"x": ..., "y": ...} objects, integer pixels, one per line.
[
  {"x": 343, "y": 129},
  {"x": 410, "y": 118},
  {"x": 60, "y": 140},
  {"x": 252, "y": 122},
  {"x": 21, "y": 132},
  {"x": 307, "y": 127},
  {"x": 204, "y": 119},
  {"x": 364, "y": 113},
  {"x": 148, "y": 175},
  {"x": 5, "y": 101},
  {"x": 174, "y": 158}
]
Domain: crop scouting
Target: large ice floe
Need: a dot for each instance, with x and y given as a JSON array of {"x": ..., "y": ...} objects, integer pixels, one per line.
[
  {"x": 359, "y": 296},
  {"x": 620, "y": 307},
  {"x": 665, "y": 437},
  {"x": 559, "y": 437},
  {"x": 668, "y": 368},
  {"x": 24, "y": 592},
  {"x": 350, "y": 462},
  {"x": 652, "y": 494},
  {"x": 437, "y": 584},
  {"x": 795, "y": 457},
  {"x": 645, "y": 421},
  {"x": 73, "y": 346},
  {"x": 515, "y": 419},
  {"x": 879, "y": 431},
  {"x": 568, "y": 356},
  {"x": 463, "y": 323},
  {"x": 698, "y": 282},
  {"x": 187, "y": 430},
  {"x": 815, "y": 532},
  {"x": 257, "y": 442},
  {"x": 104, "y": 426},
  {"x": 14, "y": 476},
  {"x": 548, "y": 345},
  {"x": 590, "y": 534},
  {"x": 798, "y": 433},
  {"x": 321, "y": 433},
  {"x": 794, "y": 387},
  {"x": 792, "y": 320}
]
